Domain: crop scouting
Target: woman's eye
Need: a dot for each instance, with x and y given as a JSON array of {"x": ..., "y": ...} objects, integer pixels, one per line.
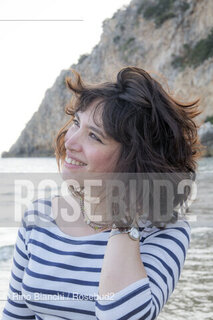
[
  {"x": 93, "y": 136},
  {"x": 75, "y": 121}
]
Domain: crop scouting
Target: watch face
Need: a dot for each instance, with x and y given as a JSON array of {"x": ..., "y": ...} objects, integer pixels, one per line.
[{"x": 134, "y": 234}]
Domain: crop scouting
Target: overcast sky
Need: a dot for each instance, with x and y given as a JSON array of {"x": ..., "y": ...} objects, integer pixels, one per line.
[{"x": 32, "y": 53}]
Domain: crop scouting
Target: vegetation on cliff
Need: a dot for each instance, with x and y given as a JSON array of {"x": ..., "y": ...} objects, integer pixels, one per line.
[
  {"x": 161, "y": 10},
  {"x": 195, "y": 55}
]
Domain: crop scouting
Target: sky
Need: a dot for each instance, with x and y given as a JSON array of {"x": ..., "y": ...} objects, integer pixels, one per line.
[{"x": 32, "y": 53}]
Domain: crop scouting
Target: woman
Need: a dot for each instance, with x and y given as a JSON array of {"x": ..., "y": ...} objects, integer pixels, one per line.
[{"x": 111, "y": 269}]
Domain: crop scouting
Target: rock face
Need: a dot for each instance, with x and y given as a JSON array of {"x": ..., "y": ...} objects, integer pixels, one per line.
[
  {"x": 206, "y": 137},
  {"x": 170, "y": 38}
]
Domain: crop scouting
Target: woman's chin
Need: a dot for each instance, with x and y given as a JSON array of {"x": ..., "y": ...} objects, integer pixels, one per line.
[{"x": 74, "y": 175}]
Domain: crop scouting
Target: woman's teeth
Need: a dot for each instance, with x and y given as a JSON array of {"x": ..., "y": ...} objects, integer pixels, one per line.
[{"x": 77, "y": 163}]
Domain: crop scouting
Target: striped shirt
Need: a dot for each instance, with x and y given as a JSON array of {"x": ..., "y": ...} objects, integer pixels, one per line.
[{"x": 56, "y": 276}]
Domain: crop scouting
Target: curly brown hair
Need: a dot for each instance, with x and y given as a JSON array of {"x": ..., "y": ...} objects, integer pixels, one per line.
[{"x": 157, "y": 132}]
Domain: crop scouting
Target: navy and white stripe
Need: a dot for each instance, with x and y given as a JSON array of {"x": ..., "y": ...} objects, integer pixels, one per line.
[{"x": 56, "y": 276}]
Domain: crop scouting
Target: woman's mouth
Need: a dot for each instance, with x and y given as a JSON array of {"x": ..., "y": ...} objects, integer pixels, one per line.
[{"x": 71, "y": 163}]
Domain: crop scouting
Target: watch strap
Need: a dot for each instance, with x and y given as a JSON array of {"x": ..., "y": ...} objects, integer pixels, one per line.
[{"x": 133, "y": 233}]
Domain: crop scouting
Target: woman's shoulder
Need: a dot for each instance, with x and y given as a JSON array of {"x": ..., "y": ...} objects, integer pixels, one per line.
[
  {"x": 180, "y": 231},
  {"x": 38, "y": 212}
]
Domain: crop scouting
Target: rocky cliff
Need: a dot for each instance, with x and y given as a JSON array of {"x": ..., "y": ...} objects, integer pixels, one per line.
[{"x": 172, "y": 38}]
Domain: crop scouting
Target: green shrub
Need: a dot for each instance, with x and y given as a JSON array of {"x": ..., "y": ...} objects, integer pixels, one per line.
[
  {"x": 116, "y": 39},
  {"x": 126, "y": 45},
  {"x": 196, "y": 55},
  {"x": 209, "y": 118},
  {"x": 161, "y": 10},
  {"x": 184, "y": 6},
  {"x": 162, "y": 18},
  {"x": 122, "y": 27}
]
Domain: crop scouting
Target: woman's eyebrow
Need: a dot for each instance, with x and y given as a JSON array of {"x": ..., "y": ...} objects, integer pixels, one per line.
[
  {"x": 97, "y": 131},
  {"x": 92, "y": 128}
]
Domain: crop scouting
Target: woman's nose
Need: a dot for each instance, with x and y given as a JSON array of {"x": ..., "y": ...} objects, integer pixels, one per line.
[{"x": 73, "y": 141}]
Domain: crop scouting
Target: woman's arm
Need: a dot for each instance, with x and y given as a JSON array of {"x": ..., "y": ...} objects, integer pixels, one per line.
[
  {"x": 141, "y": 286},
  {"x": 122, "y": 264}
]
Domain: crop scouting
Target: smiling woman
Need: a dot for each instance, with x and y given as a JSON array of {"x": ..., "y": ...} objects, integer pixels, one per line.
[
  {"x": 130, "y": 126},
  {"x": 83, "y": 270}
]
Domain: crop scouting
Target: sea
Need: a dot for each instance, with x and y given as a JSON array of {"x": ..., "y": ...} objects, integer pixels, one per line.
[{"x": 193, "y": 295}]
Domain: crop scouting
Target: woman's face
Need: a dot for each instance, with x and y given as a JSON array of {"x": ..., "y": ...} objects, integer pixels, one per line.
[{"x": 88, "y": 144}]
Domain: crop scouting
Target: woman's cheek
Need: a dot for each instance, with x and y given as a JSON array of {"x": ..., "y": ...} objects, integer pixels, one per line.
[
  {"x": 95, "y": 158},
  {"x": 102, "y": 162}
]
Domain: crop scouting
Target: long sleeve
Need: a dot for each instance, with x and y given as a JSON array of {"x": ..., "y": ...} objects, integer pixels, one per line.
[
  {"x": 15, "y": 307},
  {"x": 163, "y": 253}
]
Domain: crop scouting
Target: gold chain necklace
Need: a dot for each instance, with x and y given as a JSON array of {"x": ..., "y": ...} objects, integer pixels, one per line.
[{"x": 96, "y": 226}]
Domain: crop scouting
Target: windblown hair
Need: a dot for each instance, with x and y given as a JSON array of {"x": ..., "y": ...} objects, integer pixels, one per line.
[{"x": 157, "y": 132}]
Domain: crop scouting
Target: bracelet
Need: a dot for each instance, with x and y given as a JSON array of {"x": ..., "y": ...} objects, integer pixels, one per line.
[{"x": 133, "y": 233}]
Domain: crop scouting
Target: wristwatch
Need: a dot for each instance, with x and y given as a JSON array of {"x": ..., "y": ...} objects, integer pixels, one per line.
[{"x": 133, "y": 233}]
